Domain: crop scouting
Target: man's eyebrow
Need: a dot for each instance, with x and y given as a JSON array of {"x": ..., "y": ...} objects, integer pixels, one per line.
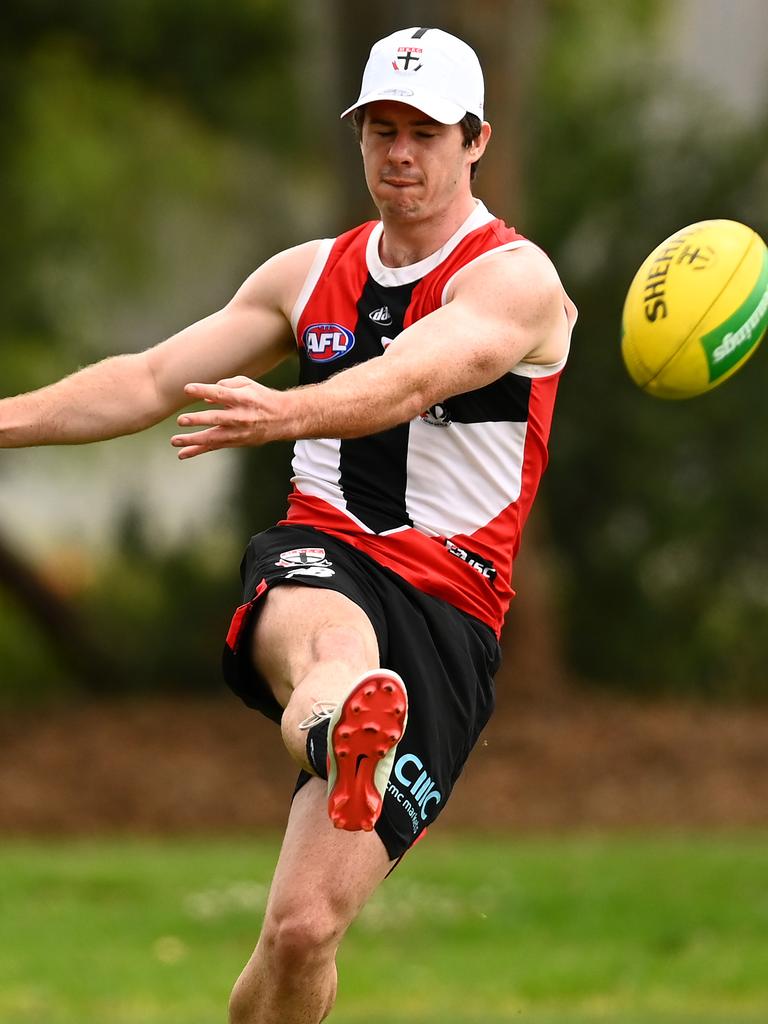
[{"x": 412, "y": 124}]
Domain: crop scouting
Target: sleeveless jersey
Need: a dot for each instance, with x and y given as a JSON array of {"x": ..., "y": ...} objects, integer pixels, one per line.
[{"x": 440, "y": 500}]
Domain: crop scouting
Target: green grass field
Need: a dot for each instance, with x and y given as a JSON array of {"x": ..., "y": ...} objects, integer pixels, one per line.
[{"x": 560, "y": 931}]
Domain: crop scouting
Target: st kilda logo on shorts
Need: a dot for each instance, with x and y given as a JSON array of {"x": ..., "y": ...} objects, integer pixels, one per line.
[
  {"x": 306, "y": 562},
  {"x": 325, "y": 342},
  {"x": 302, "y": 556}
]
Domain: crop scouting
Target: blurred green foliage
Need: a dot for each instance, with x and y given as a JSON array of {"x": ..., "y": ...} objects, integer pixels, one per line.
[
  {"x": 145, "y": 148},
  {"x": 153, "y": 155},
  {"x": 657, "y": 509},
  {"x": 117, "y": 120}
]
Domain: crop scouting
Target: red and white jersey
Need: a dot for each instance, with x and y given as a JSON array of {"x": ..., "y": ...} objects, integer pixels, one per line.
[{"x": 441, "y": 500}]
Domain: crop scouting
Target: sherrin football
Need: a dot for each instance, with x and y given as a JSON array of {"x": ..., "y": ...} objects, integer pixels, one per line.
[{"x": 696, "y": 309}]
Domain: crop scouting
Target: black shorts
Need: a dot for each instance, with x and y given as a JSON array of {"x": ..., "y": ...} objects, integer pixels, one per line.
[{"x": 447, "y": 660}]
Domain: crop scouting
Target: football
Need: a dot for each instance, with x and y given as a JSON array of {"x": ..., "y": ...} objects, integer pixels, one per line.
[{"x": 696, "y": 309}]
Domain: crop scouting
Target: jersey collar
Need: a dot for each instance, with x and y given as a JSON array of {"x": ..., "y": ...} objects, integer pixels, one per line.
[{"x": 392, "y": 277}]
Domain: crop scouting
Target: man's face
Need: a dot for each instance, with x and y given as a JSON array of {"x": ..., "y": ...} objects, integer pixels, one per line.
[{"x": 414, "y": 167}]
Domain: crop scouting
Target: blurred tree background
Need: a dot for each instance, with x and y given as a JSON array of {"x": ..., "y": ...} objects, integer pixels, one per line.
[{"x": 155, "y": 152}]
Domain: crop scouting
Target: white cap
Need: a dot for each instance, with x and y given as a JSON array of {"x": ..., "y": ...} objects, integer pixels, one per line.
[{"x": 427, "y": 69}]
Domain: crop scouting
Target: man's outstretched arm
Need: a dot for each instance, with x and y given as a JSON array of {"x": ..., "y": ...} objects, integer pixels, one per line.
[
  {"x": 113, "y": 397},
  {"x": 127, "y": 393},
  {"x": 507, "y": 308}
]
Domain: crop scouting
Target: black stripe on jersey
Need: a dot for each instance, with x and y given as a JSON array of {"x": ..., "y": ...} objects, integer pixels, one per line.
[
  {"x": 504, "y": 401},
  {"x": 373, "y": 469}
]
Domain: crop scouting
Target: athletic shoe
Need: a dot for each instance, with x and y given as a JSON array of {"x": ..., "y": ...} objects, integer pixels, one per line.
[{"x": 363, "y": 734}]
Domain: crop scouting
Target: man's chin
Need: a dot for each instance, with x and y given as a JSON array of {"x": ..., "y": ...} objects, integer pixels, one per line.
[{"x": 402, "y": 206}]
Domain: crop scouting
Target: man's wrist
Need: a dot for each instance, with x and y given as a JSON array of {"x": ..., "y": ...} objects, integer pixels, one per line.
[
  {"x": 295, "y": 421},
  {"x": 14, "y": 432}
]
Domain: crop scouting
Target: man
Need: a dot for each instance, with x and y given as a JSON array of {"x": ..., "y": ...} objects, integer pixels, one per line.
[{"x": 430, "y": 346}]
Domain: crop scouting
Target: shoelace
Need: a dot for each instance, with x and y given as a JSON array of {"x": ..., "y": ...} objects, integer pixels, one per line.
[{"x": 321, "y": 712}]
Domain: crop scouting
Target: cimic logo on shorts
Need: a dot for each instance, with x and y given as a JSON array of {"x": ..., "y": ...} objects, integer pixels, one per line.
[
  {"x": 409, "y": 770},
  {"x": 325, "y": 342},
  {"x": 306, "y": 562}
]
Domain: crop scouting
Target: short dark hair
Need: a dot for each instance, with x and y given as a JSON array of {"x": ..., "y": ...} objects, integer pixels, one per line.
[{"x": 470, "y": 125}]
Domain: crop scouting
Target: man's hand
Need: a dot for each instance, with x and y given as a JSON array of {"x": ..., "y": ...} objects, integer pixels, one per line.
[{"x": 250, "y": 415}]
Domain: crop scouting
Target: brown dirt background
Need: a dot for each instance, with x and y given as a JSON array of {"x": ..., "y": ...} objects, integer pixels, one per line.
[{"x": 569, "y": 760}]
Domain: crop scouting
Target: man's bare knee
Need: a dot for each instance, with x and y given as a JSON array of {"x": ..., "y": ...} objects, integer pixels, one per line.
[
  {"x": 297, "y": 947},
  {"x": 302, "y": 937},
  {"x": 340, "y": 642}
]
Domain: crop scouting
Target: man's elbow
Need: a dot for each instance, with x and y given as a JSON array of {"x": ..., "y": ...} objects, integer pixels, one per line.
[{"x": 159, "y": 397}]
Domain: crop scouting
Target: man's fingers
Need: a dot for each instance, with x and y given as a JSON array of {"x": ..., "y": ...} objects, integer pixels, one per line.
[
  {"x": 219, "y": 392},
  {"x": 208, "y": 392},
  {"x": 212, "y": 438},
  {"x": 236, "y": 382},
  {"x": 192, "y": 451},
  {"x": 233, "y": 426},
  {"x": 206, "y": 418}
]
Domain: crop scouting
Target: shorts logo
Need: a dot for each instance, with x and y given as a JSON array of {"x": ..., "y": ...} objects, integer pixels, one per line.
[
  {"x": 325, "y": 342},
  {"x": 306, "y": 562},
  {"x": 302, "y": 556},
  {"x": 410, "y": 772},
  {"x": 311, "y": 570}
]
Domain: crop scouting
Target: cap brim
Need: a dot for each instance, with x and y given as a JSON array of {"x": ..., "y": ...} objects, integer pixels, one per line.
[{"x": 435, "y": 107}]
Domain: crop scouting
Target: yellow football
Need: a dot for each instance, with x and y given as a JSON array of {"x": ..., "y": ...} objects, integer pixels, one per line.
[{"x": 696, "y": 309}]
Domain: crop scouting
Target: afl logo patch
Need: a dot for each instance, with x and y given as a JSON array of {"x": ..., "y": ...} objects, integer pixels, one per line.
[{"x": 325, "y": 342}]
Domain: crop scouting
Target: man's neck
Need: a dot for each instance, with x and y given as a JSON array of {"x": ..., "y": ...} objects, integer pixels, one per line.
[{"x": 404, "y": 242}]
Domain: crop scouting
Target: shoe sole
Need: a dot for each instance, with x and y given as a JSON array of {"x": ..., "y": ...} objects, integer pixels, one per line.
[{"x": 363, "y": 735}]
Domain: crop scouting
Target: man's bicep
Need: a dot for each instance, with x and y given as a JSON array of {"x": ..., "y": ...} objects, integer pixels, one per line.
[
  {"x": 465, "y": 344},
  {"x": 450, "y": 351},
  {"x": 249, "y": 336},
  {"x": 493, "y": 321},
  {"x": 519, "y": 304},
  {"x": 234, "y": 340}
]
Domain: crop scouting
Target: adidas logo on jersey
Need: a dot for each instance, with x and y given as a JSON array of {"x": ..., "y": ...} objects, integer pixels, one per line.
[{"x": 381, "y": 316}]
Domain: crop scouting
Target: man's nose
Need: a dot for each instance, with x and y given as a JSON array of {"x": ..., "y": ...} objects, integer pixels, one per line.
[{"x": 400, "y": 149}]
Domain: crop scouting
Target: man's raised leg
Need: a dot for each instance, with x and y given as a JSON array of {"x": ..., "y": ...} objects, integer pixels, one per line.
[{"x": 344, "y": 716}]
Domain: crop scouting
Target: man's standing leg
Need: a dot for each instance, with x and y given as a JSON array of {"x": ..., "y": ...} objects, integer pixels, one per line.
[{"x": 323, "y": 878}]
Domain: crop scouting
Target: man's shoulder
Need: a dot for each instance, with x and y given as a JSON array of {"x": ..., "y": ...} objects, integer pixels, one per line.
[
  {"x": 519, "y": 285},
  {"x": 516, "y": 267},
  {"x": 298, "y": 259},
  {"x": 278, "y": 281}
]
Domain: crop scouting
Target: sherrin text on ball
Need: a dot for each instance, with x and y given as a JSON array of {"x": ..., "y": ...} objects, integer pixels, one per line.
[{"x": 696, "y": 309}]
